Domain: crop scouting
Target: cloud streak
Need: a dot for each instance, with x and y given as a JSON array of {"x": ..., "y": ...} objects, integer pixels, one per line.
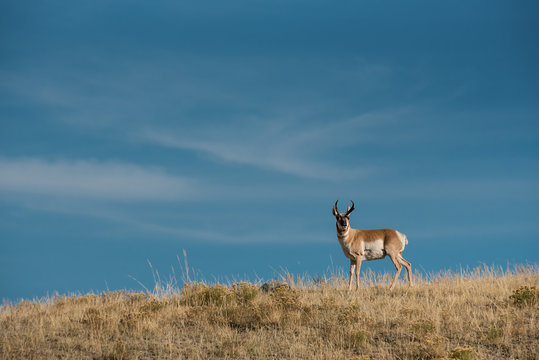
[
  {"x": 286, "y": 146},
  {"x": 290, "y": 144},
  {"x": 277, "y": 158},
  {"x": 90, "y": 179}
]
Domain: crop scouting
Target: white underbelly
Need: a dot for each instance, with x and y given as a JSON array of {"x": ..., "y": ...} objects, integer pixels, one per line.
[{"x": 373, "y": 250}]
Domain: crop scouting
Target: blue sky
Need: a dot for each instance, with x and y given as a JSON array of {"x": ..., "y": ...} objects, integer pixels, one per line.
[{"x": 134, "y": 130}]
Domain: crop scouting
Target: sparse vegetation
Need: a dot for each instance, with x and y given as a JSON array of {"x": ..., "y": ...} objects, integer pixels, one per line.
[
  {"x": 462, "y": 353},
  {"x": 525, "y": 296},
  {"x": 481, "y": 314}
]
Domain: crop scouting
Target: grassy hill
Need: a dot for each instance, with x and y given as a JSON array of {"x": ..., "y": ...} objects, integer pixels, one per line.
[{"x": 485, "y": 313}]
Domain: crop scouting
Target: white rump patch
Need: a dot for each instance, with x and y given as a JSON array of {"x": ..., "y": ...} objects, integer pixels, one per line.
[{"x": 403, "y": 239}]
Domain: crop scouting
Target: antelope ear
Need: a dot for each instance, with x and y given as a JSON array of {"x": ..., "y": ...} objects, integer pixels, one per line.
[{"x": 348, "y": 208}]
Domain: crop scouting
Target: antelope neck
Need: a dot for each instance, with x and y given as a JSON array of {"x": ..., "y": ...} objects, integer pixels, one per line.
[{"x": 343, "y": 234}]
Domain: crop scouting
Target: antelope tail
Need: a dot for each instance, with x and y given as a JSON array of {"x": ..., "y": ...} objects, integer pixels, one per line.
[{"x": 403, "y": 238}]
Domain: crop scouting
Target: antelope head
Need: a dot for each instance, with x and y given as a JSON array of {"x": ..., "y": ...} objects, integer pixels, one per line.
[{"x": 343, "y": 220}]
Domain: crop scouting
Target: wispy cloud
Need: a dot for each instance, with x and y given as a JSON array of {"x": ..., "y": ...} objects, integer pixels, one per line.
[
  {"x": 276, "y": 157},
  {"x": 291, "y": 143},
  {"x": 90, "y": 179},
  {"x": 289, "y": 146}
]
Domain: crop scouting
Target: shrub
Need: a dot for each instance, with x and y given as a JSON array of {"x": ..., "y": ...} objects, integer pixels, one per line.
[
  {"x": 202, "y": 294},
  {"x": 431, "y": 347},
  {"x": 462, "y": 353},
  {"x": 286, "y": 297},
  {"x": 245, "y": 292},
  {"x": 153, "y": 306},
  {"x": 525, "y": 295}
]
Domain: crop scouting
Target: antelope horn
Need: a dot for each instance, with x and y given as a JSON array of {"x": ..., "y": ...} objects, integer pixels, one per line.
[{"x": 350, "y": 209}]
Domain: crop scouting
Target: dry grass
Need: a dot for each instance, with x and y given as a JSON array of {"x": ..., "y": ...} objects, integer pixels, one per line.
[{"x": 481, "y": 314}]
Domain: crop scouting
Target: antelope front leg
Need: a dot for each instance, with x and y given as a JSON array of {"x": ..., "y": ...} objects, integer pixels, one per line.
[
  {"x": 358, "y": 267},
  {"x": 352, "y": 268}
]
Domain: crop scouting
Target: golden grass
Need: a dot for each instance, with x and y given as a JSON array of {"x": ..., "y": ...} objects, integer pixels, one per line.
[{"x": 481, "y": 314}]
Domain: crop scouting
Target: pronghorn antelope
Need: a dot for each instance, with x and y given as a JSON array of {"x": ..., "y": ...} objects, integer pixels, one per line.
[{"x": 359, "y": 245}]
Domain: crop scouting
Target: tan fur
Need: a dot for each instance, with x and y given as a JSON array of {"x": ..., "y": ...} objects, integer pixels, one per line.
[{"x": 359, "y": 245}]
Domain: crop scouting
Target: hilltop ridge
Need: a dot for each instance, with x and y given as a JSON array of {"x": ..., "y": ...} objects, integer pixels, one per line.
[{"x": 481, "y": 314}]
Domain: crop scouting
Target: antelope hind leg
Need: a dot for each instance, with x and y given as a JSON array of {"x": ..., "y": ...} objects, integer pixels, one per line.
[
  {"x": 398, "y": 266},
  {"x": 408, "y": 267}
]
